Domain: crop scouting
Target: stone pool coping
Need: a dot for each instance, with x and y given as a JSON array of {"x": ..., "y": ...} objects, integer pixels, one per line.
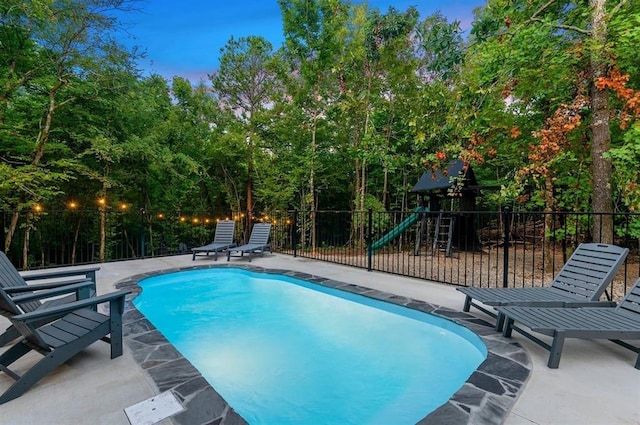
[{"x": 486, "y": 397}]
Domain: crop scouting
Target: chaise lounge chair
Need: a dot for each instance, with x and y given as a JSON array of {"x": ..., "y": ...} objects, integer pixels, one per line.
[
  {"x": 258, "y": 242},
  {"x": 580, "y": 282},
  {"x": 613, "y": 323},
  {"x": 222, "y": 240},
  {"x": 70, "y": 329},
  {"x": 30, "y": 296}
]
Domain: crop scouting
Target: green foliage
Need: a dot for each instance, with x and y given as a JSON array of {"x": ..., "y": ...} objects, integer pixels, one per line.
[
  {"x": 344, "y": 116},
  {"x": 625, "y": 160}
]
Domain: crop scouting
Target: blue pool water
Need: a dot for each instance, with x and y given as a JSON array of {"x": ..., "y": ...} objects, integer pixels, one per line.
[{"x": 285, "y": 351}]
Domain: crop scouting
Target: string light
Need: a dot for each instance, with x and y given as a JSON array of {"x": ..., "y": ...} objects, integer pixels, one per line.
[
  {"x": 37, "y": 208},
  {"x": 72, "y": 205}
]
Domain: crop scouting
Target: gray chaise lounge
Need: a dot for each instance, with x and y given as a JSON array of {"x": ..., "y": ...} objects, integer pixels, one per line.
[
  {"x": 258, "y": 242},
  {"x": 222, "y": 240},
  {"x": 30, "y": 296},
  {"x": 580, "y": 282},
  {"x": 613, "y": 323},
  {"x": 70, "y": 329}
]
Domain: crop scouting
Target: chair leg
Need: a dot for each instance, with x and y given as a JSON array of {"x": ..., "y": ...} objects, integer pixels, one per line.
[
  {"x": 38, "y": 371},
  {"x": 508, "y": 327},
  {"x": 14, "y": 353},
  {"x": 9, "y": 335},
  {"x": 556, "y": 350},
  {"x": 467, "y": 304},
  {"x": 116, "y": 308},
  {"x": 500, "y": 322}
]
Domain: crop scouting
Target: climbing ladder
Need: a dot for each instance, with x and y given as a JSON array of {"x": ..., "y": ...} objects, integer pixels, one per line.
[{"x": 443, "y": 233}]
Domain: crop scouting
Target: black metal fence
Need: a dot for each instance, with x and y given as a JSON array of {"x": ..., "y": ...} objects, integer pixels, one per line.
[
  {"x": 489, "y": 249},
  {"x": 55, "y": 238},
  {"x": 462, "y": 248}
]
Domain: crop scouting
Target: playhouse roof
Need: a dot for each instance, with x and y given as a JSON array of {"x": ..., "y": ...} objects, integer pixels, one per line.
[{"x": 437, "y": 180}]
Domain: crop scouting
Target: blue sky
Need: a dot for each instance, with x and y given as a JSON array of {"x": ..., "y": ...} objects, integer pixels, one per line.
[{"x": 185, "y": 37}]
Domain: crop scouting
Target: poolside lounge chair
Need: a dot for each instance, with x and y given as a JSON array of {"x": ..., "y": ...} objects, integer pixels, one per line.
[
  {"x": 258, "y": 242},
  {"x": 580, "y": 282},
  {"x": 613, "y": 323},
  {"x": 30, "y": 296},
  {"x": 222, "y": 240},
  {"x": 70, "y": 329}
]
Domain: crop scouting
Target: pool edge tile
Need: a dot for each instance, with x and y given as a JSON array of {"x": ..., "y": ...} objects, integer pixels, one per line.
[{"x": 495, "y": 385}]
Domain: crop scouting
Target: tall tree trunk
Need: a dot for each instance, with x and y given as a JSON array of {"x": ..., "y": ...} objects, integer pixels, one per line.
[
  {"x": 103, "y": 217},
  {"x": 25, "y": 245},
  {"x": 549, "y": 223},
  {"x": 13, "y": 225},
  {"x": 76, "y": 233},
  {"x": 249, "y": 188},
  {"x": 602, "y": 204},
  {"x": 103, "y": 233},
  {"x": 41, "y": 141}
]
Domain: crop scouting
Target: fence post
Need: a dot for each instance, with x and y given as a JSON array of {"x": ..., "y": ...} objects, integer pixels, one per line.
[
  {"x": 143, "y": 212},
  {"x": 369, "y": 237},
  {"x": 506, "y": 223},
  {"x": 294, "y": 233},
  {"x": 2, "y": 235}
]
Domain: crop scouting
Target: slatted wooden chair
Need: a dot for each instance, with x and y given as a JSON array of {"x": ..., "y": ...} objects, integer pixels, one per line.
[
  {"x": 580, "y": 282},
  {"x": 61, "y": 286},
  {"x": 222, "y": 240},
  {"x": 258, "y": 242},
  {"x": 613, "y": 323},
  {"x": 69, "y": 329}
]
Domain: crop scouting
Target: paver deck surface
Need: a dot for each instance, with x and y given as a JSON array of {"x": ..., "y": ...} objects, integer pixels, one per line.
[{"x": 595, "y": 384}]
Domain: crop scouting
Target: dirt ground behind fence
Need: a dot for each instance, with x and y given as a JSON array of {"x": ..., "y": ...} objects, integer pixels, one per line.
[{"x": 483, "y": 268}]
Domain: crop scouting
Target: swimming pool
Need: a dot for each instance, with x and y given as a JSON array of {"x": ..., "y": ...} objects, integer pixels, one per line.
[{"x": 356, "y": 360}]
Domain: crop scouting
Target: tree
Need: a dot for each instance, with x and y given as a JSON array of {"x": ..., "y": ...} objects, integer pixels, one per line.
[
  {"x": 244, "y": 85},
  {"x": 53, "y": 47},
  {"x": 314, "y": 36},
  {"x": 544, "y": 56}
]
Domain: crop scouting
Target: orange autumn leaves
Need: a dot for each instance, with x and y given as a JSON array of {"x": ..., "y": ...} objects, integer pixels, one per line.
[
  {"x": 553, "y": 138},
  {"x": 617, "y": 82}
]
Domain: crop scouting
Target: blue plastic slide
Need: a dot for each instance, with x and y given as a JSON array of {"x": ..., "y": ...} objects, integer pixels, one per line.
[{"x": 396, "y": 231}]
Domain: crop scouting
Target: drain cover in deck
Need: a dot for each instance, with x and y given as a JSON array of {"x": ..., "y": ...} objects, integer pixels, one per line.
[{"x": 153, "y": 410}]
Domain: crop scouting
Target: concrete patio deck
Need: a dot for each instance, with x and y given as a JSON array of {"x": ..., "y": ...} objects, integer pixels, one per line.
[{"x": 595, "y": 384}]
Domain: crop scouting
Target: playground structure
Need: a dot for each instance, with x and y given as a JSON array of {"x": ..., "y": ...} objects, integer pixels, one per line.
[
  {"x": 446, "y": 199},
  {"x": 400, "y": 228}
]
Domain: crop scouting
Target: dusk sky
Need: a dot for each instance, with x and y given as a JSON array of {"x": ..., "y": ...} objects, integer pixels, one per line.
[{"x": 184, "y": 38}]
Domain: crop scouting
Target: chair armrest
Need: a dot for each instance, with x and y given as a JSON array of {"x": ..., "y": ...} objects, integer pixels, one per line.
[
  {"x": 591, "y": 304},
  {"x": 61, "y": 310},
  {"x": 88, "y": 272},
  {"x": 67, "y": 289},
  {"x": 48, "y": 285}
]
